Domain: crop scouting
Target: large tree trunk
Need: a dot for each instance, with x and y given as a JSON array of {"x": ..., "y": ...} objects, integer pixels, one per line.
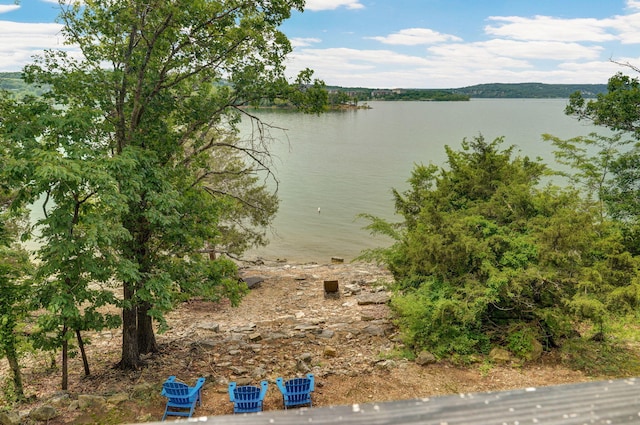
[
  {"x": 85, "y": 362},
  {"x": 146, "y": 335},
  {"x": 12, "y": 358},
  {"x": 130, "y": 355},
  {"x": 65, "y": 359}
]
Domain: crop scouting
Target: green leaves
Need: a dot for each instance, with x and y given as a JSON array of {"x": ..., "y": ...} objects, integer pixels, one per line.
[
  {"x": 617, "y": 109},
  {"x": 486, "y": 256},
  {"x": 134, "y": 150}
]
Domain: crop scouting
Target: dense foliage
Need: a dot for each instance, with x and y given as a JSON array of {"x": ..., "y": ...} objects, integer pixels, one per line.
[
  {"x": 484, "y": 257},
  {"x": 15, "y": 292},
  {"x": 132, "y": 157}
]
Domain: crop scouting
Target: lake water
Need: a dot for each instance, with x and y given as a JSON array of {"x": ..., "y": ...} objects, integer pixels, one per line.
[{"x": 346, "y": 163}]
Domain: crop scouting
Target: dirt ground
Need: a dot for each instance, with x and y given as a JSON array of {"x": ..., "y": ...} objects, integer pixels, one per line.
[{"x": 262, "y": 339}]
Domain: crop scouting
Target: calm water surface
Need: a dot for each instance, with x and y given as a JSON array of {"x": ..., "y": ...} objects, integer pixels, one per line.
[{"x": 346, "y": 163}]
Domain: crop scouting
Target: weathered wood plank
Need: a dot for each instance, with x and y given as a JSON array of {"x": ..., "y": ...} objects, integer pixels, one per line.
[{"x": 602, "y": 402}]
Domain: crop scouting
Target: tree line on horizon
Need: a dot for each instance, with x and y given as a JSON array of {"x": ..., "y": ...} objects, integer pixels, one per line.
[{"x": 12, "y": 81}]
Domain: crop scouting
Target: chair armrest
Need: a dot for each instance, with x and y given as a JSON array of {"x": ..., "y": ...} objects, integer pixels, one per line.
[
  {"x": 231, "y": 389},
  {"x": 280, "y": 384},
  {"x": 263, "y": 390},
  {"x": 199, "y": 384},
  {"x": 312, "y": 383},
  {"x": 193, "y": 391}
]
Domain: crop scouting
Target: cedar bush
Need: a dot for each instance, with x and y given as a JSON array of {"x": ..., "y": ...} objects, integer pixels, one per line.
[{"x": 488, "y": 256}]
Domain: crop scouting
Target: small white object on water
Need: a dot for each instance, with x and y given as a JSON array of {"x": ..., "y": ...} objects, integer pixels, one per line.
[{"x": 318, "y": 210}]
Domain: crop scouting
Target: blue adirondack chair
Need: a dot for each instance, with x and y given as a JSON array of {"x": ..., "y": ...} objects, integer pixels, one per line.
[
  {"x": 247, "y": 398},
  {"x": 182, "y": 398},
  {"x": 296, "y": 391}
]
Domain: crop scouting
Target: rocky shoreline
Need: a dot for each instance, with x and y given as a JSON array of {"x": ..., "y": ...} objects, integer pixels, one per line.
[{"x": 286, "y": 326}]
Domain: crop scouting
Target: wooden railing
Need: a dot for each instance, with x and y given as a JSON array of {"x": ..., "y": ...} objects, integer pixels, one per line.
[{"x": 601, "y": 402}]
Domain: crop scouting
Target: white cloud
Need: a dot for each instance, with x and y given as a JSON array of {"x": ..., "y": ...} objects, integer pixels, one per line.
[
  {"x": 547, "y": 28},
  {"x": 474, "y": 56},
  {"x": 22, "y": 35},
  {"x": 627, "y": 27},
  {"x": 4, "y": 8},
  {"x": 622, "y": 28},
  {"x": 416, "y": 36},
  {"x": 354, "y": 57},
  {"x": 633, "y": 4},
  {"x": 316, "y": 5},
  {"x": 544, "y": 50},
  {"x": 27, "y": 40},
  {"x": 303, "y": 42}
]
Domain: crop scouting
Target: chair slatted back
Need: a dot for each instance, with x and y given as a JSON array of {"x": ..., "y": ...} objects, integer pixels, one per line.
[
  {"x": 298, "y": 389},
  {"x": 247, "y": 397},
  {"x": 177, "y": 392}
]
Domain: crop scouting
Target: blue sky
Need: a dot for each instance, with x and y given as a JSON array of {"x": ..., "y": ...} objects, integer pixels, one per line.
[{"x": 416, "y": 43}]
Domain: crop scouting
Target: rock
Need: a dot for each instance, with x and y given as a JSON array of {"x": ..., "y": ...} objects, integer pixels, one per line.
[
  {"x": 367, "y": 317},
  {"x": 246, "y": 328},
  {"x": 59, "y": 399},
  {"x": 258, "y": 373},
  {"x": 352, "y": 289},
  {"x": 244, "y": 381},
  {"x": 276, "y": 335},
  {"x": 210, "y": 326},
  {"x": 87, "y": 400},
  {"x": 374, "y": 330},
  {"x": 118, "y": 398},
  {"x": 308, "y": 328},
  {"x": 425, "y": 358},
  {"x": 206, "y": 343},
  {"x": 255, "y": 337},
  {"x": 9, "y": 418},
  {"x": 329, "y": 351},
  {"x": 327, "y": 334},
  {"x": 386, "y": 364},
  {"x": 238, "y": 370},
  {"x": 256, "y": 348},
  {"x": 302, "y": 367},
  {"x": 253, "y": 281},
  {"x": 306, "y": 357},
  {"x": 43, "y": 413},
  {"x": 536, "y": 350},
  {"x": 235, "y": 337},
  {"x": 500, "y": 355},
  {"x": 144, "y": 390},
  {"x": 373, "y": 298}
]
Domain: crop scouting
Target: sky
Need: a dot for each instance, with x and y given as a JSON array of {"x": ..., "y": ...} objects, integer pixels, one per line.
[{"x": 416, "y": 43}]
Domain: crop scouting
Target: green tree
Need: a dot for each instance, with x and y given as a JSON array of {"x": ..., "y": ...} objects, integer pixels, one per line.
[
  {"x": 52, "y": 155},
  {"x": 485, "y": 257},
  {"x": 15, "y": 290},
  {"x": 618, "y": 111},
  {"x": 248, "y": 205},
  {"x": 592, "y": 161},
  {"x": 157, "y": 85}
]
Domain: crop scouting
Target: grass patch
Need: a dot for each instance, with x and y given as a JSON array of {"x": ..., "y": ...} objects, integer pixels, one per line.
[
  {"x": 626, "y": 328},
  {"x": 601, "y": 358},
  {"x": 398, "y": 353}
]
